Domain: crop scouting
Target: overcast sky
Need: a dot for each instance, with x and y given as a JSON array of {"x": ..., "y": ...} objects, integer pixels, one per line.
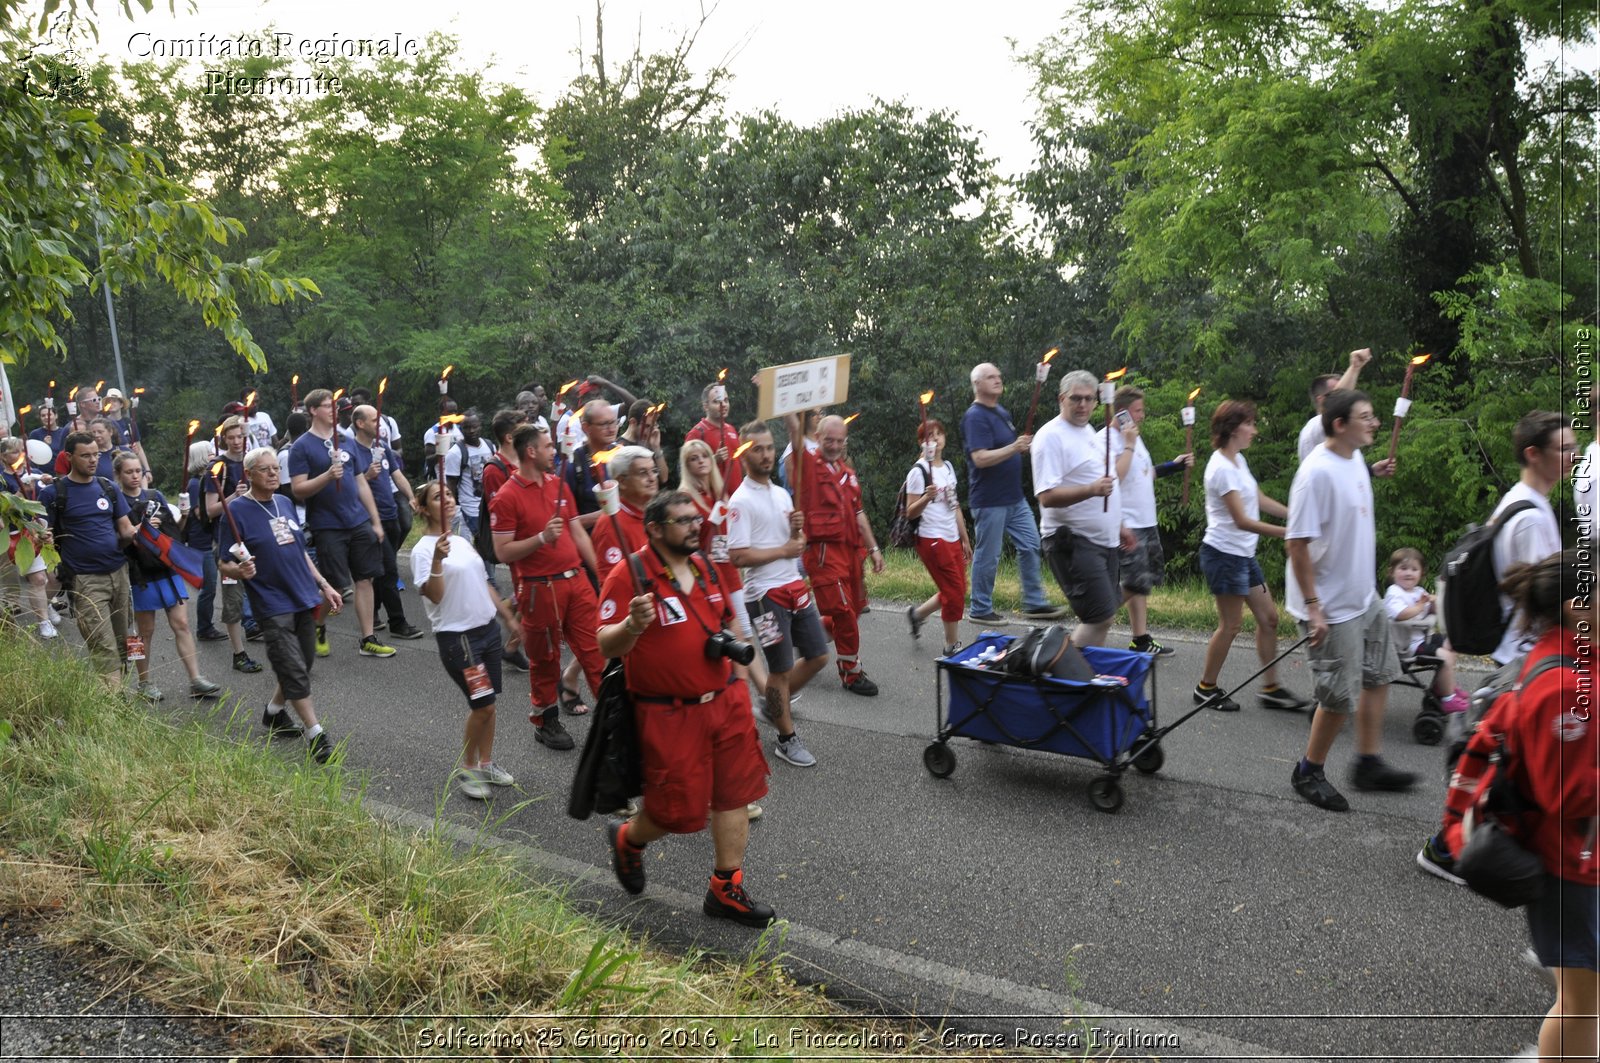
[{"x": 804, "y": 61}]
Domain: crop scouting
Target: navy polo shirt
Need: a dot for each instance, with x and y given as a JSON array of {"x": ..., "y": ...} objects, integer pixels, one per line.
[
  {"x": 990, "y": 428},
  {"x": 335, "y": 507}
]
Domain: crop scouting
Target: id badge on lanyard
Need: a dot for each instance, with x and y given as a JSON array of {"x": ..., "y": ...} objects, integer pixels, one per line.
[
  {"x": 282, "y": 534},
  {"x": 478, "y": 685},
  {"x": 135, "y": 648}
]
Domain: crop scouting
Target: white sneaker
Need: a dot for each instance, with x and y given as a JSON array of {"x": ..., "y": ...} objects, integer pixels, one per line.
[
  {"x": 754, "y": 810},
  {"x": 54, "y": 617},
  {"x": 794, "y": 752},
  {"x": 473, "y": 784},
  {"x": 47, "y": 629},
  {"x": 495, "y": 775}
]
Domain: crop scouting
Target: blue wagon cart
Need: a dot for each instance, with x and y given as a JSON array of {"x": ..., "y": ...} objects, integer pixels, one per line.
[{"x": 1111, "y": 721}]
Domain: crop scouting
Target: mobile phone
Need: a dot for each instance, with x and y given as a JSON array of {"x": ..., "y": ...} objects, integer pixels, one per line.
[{"x": 1124, "y": 418}]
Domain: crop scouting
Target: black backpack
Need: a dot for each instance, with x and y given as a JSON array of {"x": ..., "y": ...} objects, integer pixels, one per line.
[
  {"x": 484, "y": 540},
  {"x": 1042, "y": 652},
  {"x": 1469, "y": 590},
  {"x": 903, "y": 529}
]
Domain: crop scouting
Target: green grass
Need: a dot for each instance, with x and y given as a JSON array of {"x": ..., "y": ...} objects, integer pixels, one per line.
[
  {"x": 1184, "y": 606},
  {"x": 219, "y": 877}
]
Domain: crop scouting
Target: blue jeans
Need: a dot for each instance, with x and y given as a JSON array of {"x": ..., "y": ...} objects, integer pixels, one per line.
[
  {"x": 991, "y": 525},
  {"x": 205, "y": 610}
]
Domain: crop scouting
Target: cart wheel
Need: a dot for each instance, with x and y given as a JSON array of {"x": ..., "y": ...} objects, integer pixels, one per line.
[
  {"x": 1150, "y": 759},
  {"x": 939, "y": 759},
  {"x": 1105, "y": 793},
  {"x": 1427, "y": 729}
]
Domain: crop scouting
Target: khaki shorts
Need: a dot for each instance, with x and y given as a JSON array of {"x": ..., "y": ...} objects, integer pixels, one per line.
[{"x": 1356, "y": 655}]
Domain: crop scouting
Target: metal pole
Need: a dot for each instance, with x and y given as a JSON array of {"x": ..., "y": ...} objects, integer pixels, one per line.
[{"x": 111, "y": 312}]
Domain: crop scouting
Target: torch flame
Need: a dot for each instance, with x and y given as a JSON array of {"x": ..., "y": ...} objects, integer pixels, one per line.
[
  {"x": 140, "y": 391},
  {"x": 1192, "y": 394},
  {"x": 52, "y": 385},
  {"x": 25, "y": 411},
  {"x": 738, "y": 451},
  {"x": 217, "y": 431},
  {"x": 603, "y": 457},
  {"x": 338, "y": 394},
  {"x": 295, "y": 380},
  {"x": 383, "y": 385},
  {"x": 655, "y": 410},
  {"x": 249, "y": 400},
  {"x": 925, "y": 398},
  {"x": 1419, "y": 359},
  {"x": 452, "y": 418},
  {"x": 568, "y": 386},
  {"x": 722, "y": 375},
  {"x": 447, "y": 371},
  {"x": 1051, "y": 353},
  {"x": 194, "y": 426},
  {"x": 852, "y": 417},
  {"x": 1118, "y": 374},
  {"x": 218, "y": 469},
  {"x": 99, "y": 385},
  {"x": 73, "y": 394}
]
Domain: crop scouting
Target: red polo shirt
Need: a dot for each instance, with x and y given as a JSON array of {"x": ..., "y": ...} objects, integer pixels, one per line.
[
  {"x": 669, "y": 660},
  {"x": 521, "y": 509},
  {"x": 607, "y": 552},
  {"x": 727, "y": 436}
]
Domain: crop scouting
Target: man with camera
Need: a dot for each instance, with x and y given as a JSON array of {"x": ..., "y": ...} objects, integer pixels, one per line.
[{"x": 668, "y": 621}]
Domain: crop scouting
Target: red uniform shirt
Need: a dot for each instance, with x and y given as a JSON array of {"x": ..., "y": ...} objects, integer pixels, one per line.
[
  {"x": 607, "y": 552},
  {"x": 522, "y": 509},
  {"x": 832, "y": 497},
  {"x": 669, "y": 659},
  {"x": 727, "y": 436},
  {"x": 493, "y": 478}
]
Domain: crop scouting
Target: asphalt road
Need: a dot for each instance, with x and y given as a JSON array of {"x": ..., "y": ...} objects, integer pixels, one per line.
[{"x": 1216, "y": 914}]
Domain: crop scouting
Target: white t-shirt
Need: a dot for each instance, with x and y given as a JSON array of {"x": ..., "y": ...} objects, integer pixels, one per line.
[
  {"x": 299, "y": 506},
  {"x": 1310, "y": 436},
  {"x": 1331, "y": 505},
  {"x": 1531, "y": 535},
  {"x": 758, "y": 516},
  {"x": 1068, "y": 456},
  {"x": 1222, "y": 477},
  {"x": 259, "y": 430},
  {"x": 472, "y": 479},
  {"x": 465, "y": 604},
  {"x": 389, "y": 431},
  {"x": 1139, "y": 486},
  {"x": 939, "y": 516},
  {"x": 1411, "y": 630}
]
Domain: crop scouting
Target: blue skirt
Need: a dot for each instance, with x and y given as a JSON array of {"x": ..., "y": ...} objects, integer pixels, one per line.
[{"x": 159, "y": 595}]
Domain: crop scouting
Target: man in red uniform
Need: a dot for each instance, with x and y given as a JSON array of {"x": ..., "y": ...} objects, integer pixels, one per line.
[
  {"x": 836, "y": 531},
  {"x": 536, "y": 532},
  {"x": 696, "y": 736},
  {"x": 715, "y": 432},
  {"x": 634, "y": 469}
]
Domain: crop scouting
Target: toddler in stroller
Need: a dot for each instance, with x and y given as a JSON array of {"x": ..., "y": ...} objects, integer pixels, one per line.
[{"x": 1423, "y": 652}]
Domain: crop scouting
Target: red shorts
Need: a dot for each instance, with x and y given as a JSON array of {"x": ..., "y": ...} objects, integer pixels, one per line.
[
  {"x": 699, "y": 757},
  {"x": 946, "y": 562}
]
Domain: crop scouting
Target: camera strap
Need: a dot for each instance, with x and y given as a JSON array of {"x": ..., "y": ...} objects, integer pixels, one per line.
[{"x": 666, "y": 573}]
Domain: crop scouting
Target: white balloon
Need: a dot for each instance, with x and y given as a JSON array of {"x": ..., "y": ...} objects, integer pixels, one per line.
[{"x": 39, "y": 452}]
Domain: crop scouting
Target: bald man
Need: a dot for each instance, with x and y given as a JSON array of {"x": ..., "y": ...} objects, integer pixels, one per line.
[{"x": 837, "y": 530}]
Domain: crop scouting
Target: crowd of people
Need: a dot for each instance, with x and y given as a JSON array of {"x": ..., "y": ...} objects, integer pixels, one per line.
[{"x": 726, "y": 588}]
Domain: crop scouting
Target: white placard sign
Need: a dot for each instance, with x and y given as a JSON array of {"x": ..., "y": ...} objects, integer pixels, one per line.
[{"x": 801, "y": 386}]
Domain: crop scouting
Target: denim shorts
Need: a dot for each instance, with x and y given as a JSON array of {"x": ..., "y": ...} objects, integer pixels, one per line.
[
  {"x": 1565, "y": 924},
  {"x": 1230, "y": 574}
]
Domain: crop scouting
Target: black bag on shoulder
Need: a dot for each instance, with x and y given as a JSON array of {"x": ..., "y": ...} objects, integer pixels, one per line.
[
  {"x": 903, "y": 529},
  {"x": 1467, "y": 583}
]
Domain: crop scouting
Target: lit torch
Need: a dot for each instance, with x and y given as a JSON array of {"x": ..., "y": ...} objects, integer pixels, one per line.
[
  {"x": 605, "y": 491},
  {"x": 133, "y": 413},
  {"x": 738, "y": 452},
  {"x": 848, "y": 421},
  {"x": 444, "y": 380},
  {"x": 22, "y": 418},
  {"x": 1402, "y": 405},
  {"x": 383, "y": 385},
  {"x": 442, "y": 447},
  {"x": 188, "y": 441},
  {"x": 1108, "y": 392},
  {"x": 1041, "y": 373},
  {"x": 922, "y": 408},
  {"x": 1188, "y": 442},
  {"x": 50, "y": 395},
  {"x": 294, "y": 392}
]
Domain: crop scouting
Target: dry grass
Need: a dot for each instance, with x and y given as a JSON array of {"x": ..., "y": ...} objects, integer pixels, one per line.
[{"x": 224, "y": 879}]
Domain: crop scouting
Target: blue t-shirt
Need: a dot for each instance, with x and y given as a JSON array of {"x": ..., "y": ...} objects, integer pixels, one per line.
[
  {"x": 283, "y": 582},
  {"x": 990, "y": 428},
  {"x": 338, "y": 505},
  {"x": 197, "y": 530},
  {"x": 87, "y": 534},
  {"x": 382, "y": 487}
]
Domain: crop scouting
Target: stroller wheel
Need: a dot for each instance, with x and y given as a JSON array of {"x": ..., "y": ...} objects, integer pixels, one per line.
[
  {"x": 1105, "y": 793},
  {"x": 1150, "y": 759},
  {"x": 939, "y": 759},
  {"x": 1427, "y": 729}
]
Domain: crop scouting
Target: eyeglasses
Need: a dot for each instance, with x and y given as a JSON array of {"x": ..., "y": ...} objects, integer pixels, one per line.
[
  {"x": 601, "y": 424},
  {"x": 682, "y": 522},
  {"x": 1080, "y": 398}
]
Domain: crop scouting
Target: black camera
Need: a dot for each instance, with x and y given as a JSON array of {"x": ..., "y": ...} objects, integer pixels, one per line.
[{"x": 723, "y": 644}]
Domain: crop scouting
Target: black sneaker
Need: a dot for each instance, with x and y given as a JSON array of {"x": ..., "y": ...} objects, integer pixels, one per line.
[
  {"x": 626, "y": 861},
  {"x": 1436, "y": 860},
  {"x": 405, "y": 631},
  {"x": 1315, "y": 787},
  {"x": 549, "y": 732},
  {"x": 516, "y": 659},
  {"x": 858, "y": 683},
  {"x": 321, "y": 747},
  {"x": 992, "y": 618},
  {"x": 1375, "y": 774},
  {"x": 915, "y": 621},
  {"x": 380, "y": 624},
  {"x": 279, "y": 722},
  {"x": 243, "y": 663},
  {"x": 253, "y": 633},
  {"x": 1152, "y": 647},
  {"x": 1215, "y": 698},
  {"x": 1046, "y": 612},
  {"x": 211, "y": 634},
  {"x": 1284, "y": 699},
  {"x": 726, "y": 899}
]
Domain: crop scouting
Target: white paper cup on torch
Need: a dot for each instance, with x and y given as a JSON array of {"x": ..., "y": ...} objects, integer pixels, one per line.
[
  {"x": 1108, "y": 391},
  {"x": 606, "y": 495},
  {"x": 1402, "y": 407},
  {"x": 1187, "y": 413},
  {"x": 1041, "y": 371},
  {"x": 719, "y": 393},
  {"x": 240, "y": 553}
]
